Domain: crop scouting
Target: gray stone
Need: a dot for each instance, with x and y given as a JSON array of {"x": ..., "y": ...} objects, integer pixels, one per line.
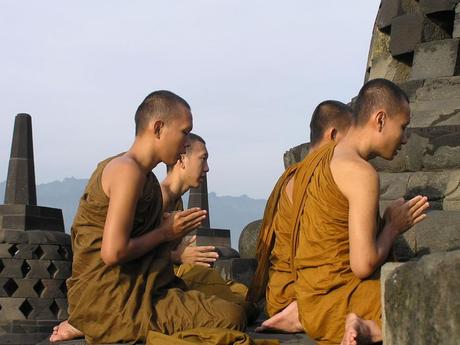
[
  {"x": 296, "y": 154},
  {"x": 456, "y": 29},
  {"x": 248, "y": 239},
  {"x": 227, "y": 253},
  {"x": 388, "y": 10},
  {"x": 436, "y": 59},
  {"x": 14, "y": 268},
  {"x": 20, "y": 183},
  {"x": 385, "y": 272},
  {"x": 36, "y": 237},
  {"x": 198, "y": 197},
  {"x": 422, "y": 301},
  {"x": 440, "y": 231},
  {"x": 240, "y": 270},
  {"x": 433, "y": 6}
]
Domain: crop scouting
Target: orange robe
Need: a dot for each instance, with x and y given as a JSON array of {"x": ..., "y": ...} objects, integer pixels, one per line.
[
  {"x": 274, "y": 277},
  {"x": 123, "y": 303},
  {"x": 326, "y": 288}
]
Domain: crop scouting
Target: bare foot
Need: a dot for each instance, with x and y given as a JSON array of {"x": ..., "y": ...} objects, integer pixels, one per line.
[
  {"x": 65, "y": 331},
  {"x": 286, "y": 320},
  {"x": 359, "y": 331}
]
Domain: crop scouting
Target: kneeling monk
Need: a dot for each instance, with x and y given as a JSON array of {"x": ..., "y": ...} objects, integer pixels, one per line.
[{"x": 339, "y": 242}]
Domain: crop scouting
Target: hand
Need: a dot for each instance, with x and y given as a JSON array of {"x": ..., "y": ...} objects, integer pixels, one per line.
[
  {"x": 196, "y": 255},
  {"x": 179, "y": 223},
  {"x": 401, "y": 215}
]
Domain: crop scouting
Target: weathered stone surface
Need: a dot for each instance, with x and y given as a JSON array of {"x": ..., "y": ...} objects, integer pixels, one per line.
[
  {"x": 440, "y": 231},
  {"x": 436, "y": 59},
  {"x": 296, "y": 154},
  {"x": 422, "y": 301},
  {"x": 456, "y": 29},
  {"x": 389, "y": 9},
  {"x": 385, "y": 272},
  {"x": 433, "y": 6},
  {"x": 240, "y": 270},
  {"x": 248, "y": 239},
  {"x": 440, "y": 187},
  {"x": 20, "y": 183},
  {"x": 198, "y": 197},
  {"x": 35, "y": 237},
  {"x": 227, "y": 253}
]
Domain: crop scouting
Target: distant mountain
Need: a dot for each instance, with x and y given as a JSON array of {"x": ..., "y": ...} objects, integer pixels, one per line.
[{"x": 226, "y": 212}]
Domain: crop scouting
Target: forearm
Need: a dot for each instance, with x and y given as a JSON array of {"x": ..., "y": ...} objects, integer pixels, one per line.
[{"x": 135, "y": 247}]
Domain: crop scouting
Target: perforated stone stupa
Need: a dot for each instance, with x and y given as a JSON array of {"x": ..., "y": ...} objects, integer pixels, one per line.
[{"x": 35, "y": 253}]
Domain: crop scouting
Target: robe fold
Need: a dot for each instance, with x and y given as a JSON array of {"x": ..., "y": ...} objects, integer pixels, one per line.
[
  {"x": 326, "y": 288},
  {"x": 122, "y": 303},
  {"x": 273, "y": 278}
]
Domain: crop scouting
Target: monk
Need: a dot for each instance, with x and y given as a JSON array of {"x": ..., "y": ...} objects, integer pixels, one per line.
[
  {"x": 123, "y": 287},
  {"x": 274, "y": 276},
  {"x": 193, "y": 262},
  {"x": 339, "y": 248}
]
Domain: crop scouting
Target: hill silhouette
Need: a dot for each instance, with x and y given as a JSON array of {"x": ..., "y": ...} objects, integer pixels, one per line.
[{"x": 226, "y": 212}]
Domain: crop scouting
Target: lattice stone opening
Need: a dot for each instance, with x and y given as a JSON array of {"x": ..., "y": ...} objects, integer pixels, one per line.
[
  {"x": 26, "y": 308},
  {"x": 52, "y": 269},
  {"x": 2, "y": 266},
  {"x": 38, "y": 253},
  {"x": 10, "y": 287},
  {"x": 13, "y": 250},
  {"x": 63, "y": 288},
  {"x": 54, "y": 309},
  {"x": 25, "y": 268},
  {"x": 39, "y": 287},
  {"x": 63, "y": 252}
]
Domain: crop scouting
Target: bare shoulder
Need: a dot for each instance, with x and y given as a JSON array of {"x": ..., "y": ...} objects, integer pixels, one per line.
[
  {"x": 352, "y": 173},
  {"x": 122, "y": 171}
]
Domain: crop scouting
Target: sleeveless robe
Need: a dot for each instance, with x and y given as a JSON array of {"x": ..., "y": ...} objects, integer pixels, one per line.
[
  {"x": 326, "y": 288},
  {"x": 123, "y": 303}
]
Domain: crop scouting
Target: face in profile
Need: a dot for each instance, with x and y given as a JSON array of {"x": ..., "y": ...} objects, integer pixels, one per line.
[
  {"x": 174, "y": 134},
  {"x": 395, "y": 132},
  {"x": 195, "y": 163}
]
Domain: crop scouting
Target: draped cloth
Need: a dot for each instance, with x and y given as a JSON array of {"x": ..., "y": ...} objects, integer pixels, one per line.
[
  {"x": 326, "y": 288},
  {"x": 273, "y": 277},
  {"x": 122, "y": 303}
]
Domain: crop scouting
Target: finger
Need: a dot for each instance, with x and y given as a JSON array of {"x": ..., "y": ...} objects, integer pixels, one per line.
[
  {"x": 190, "y": 211},
  {"x": 190, "y": 240},
  {"x": 194, "y": 222},
  {"x": 195, "y": 215},
  {"x": 414, "y": 200},
  {"x": 420, "y": 210},
  {"x": 202, "y": 264},
  {"x": 192, "y": 226},
  {"x": 204, "y": 249},
  {"x": 207, "y": 259},
  {"x": 212, "y": 255},
  {"x": 419, "y": 219}
]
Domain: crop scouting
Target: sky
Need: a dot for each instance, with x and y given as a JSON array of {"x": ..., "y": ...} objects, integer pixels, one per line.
[{"x": 252, "y": 71}]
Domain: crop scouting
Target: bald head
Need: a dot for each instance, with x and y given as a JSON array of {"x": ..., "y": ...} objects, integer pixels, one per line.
[
  {"x": 378, "y": 94},
  {"x": 329, "y": 114},
  {"x": 161, "y": 105},
  {"x": 191, "y": 139}
]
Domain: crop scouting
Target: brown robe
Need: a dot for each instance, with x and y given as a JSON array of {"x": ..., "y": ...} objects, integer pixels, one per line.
[
  {"x": 274, "y": 278},
  {"x": 122, "y": 303},
  {"x": 326, "y": 288}
]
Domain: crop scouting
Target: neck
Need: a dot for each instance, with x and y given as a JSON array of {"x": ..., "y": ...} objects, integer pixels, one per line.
[
  {"x": 360, "y": 141},
  {"x": 172, "y": 188},
  {"x": 142, "y": 153}
]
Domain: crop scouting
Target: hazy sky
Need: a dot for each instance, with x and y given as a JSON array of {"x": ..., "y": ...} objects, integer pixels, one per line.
[{"x": 252, "y": 71}]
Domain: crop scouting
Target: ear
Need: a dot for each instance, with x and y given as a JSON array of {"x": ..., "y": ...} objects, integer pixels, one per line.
[
  {"x": 181, "y": 161},
  {"x": 380, "y": 117},
  {"x": 157, "y": 126},
  {"x": 333, "y": 134}
]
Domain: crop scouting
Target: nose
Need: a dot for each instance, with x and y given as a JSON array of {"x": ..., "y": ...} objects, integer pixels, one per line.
[
  {"x": 206, "y": 167},
  {"x": 404, "y": 138}
]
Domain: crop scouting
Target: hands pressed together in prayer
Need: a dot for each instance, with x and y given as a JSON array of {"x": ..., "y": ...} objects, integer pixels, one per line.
[
  {"x": 402, "y": 215},
  {"x": 186, "y": 253},
  {"x": 179, "y": 223}
]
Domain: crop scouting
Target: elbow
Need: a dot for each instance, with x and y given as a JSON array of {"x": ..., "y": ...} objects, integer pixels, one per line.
[
  {"x": 112, "y": 258},
  {"x": 363, "y": 270}
]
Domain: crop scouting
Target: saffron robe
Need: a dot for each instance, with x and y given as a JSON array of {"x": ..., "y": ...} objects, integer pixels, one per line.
[
  {"x": 326, "y": 288},
  {"x": 274, "y": 277},
  {"x": 122, "y": 303}
]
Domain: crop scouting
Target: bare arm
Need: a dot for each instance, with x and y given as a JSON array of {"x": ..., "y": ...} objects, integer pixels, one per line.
[
  {"x": 367, "y": 250},
  {"x": 123, "y": 182}
]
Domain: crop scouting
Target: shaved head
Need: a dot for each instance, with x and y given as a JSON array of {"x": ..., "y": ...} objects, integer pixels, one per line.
[
  {"x": 161, "y": 105},
  {"x": 326, "y": 115},
  {"x": 378, "y": 94}
]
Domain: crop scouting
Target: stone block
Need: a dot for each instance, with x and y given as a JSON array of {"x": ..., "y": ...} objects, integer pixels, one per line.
[
  {"x": 63, "y": 269},
  {"x": 36, "y": 237},
  {"x": 411, "y": 87},
  {"x": 456, "y": 28},
  {"x": 422, "y": 301},
  {"x": 10, "y": 309},
  {"x": 433, "y": 6},
  {"x": 240, "y": 270},
  {"x": 393, "y": 185},
  {"x": 14, "y": 268},
  {"x": 41, "y": 269},
  {"x": 440, "y": 231},
  {"x": 436, "y": 59},
  {"x": 213, "y": 237},
  {"x": 385, "y": 272},
  {"x": 227, "y": 253},
  {"x": 248, "y": 239},
  {"x": 62, "y": 305},
  {"x": 295, "y": 154},
  {"x": 389, "y": 9}
]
